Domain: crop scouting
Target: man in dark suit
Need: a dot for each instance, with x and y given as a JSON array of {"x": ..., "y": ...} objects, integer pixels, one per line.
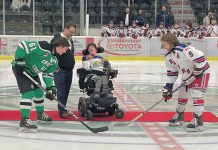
[
  {"x": 163, "y": 16},
  {"x": 66, "y": 62},
  {"x": 127, "y": 17}
]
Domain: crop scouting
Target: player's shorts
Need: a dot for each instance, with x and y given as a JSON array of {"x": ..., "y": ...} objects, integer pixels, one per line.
[
  {"x": 200, "y": 83},
  {"x": 24, "y": 83}
]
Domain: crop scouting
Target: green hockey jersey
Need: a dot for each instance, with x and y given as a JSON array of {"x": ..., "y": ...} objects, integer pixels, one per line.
[{"x": 36, "y": 60}]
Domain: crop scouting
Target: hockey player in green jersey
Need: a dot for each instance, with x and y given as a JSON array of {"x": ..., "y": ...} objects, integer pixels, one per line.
[{"x": 36, "y": 57}]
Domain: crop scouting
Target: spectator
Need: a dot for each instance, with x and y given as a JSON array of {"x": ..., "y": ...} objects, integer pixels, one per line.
[
  {"x": 207, "y": 18},
  {"x": 177, "y": 30},
  {"x": 163, "y": 16},
  {"x": 121, "y": 31},
  {"x": 201, "y": 31},
  {"x": 213, "y": 28},
  {"x": 66, "y": 62},
  {"x": 134, "y": 31},
  {"x": 108, "y": 30},
  {"x": 127, "y": 17},
  {"x": 140, "y": 19},
  {"x": 146, "y": 30},
  {"x": 189, "y": 30},
  {"x": 161, "y": 30}
]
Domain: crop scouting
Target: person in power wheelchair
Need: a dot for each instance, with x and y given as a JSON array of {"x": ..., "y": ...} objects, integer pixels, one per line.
[{"x": 94, "y": 80}]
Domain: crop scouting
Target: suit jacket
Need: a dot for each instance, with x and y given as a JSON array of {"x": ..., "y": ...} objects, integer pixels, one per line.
[{"x": 123, "y": 16}]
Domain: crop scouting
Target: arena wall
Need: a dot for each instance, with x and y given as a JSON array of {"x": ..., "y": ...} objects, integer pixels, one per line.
[{"x": 116, "y": 48}]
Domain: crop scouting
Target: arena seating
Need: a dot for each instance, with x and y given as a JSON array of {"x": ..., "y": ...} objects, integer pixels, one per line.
[
  {"x": 200, "y": 8},
  {"x": 48, "y": 14}
]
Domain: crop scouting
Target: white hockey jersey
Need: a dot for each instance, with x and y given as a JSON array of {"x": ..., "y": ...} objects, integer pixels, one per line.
[
  {"x": 201, "y": 32},
  {"x": 181, "y": 60},
  {"x": 213, "y": 30},
  {"x": 178, "y": 32},
  {"x": 189, "y": 32},
  {"x": 146, "y": 32},
  {"x": 160, "y": 31},
  {"x": 121, "y": 32},
  {"x": 134, "y": 31},
  {"x": 107, "y": 31}
]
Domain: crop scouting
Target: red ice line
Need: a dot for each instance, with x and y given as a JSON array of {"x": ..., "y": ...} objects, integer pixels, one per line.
[{"x": 163, "y": 139}]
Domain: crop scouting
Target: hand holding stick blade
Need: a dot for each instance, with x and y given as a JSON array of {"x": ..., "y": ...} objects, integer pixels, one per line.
[{"x": 94, "y": 130}]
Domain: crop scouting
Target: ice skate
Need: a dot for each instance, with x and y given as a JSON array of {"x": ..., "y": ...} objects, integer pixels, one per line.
[
  {"x": 43, "y": 118},
  {"x": 177, "y": 119},
  {"x": 196, "y": 125},
  {"x": 26, "y": 125}
]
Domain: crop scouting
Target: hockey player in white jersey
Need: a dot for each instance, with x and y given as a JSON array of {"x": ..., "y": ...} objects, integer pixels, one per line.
[
  {"x": 121, "y": 31},
  {"x": 213, "y": 28},
  {"x": 146, "y": 31},
  {"x": 161, "y": 30},
  {"x": 201, "y": 31},
  {"x": 108, "y": 30},
  {"x": 189, "y": 30},
  {"x": 193, "y": 67},
  {"x": 134, "y": 31},
  {"x": 177, "y": 30}
]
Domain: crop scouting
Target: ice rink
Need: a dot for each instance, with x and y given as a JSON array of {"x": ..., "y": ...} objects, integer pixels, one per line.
[{"x": 138, "y": 86}]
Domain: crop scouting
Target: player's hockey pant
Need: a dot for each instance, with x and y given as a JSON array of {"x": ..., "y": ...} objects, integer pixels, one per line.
[{"x": 195, "y": 90}]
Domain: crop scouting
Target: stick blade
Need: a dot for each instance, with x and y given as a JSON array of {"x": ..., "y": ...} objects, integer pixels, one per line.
[
  {"x": 101, "y": 129},
  {"x": 122, "y": 123}
]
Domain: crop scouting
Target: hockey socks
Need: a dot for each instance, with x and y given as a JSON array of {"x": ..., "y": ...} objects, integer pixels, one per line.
[
  {"x": 39, "y": 100},
  {"x": 26, "y": 103}
]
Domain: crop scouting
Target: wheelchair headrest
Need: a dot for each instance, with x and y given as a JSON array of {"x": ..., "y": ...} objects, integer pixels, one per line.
[{"x": 99, "y": 50}]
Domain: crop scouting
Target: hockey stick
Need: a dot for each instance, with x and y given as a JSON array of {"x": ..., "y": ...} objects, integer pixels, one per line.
[
  {"x": 94, "y": 130},
  {"x": 147, "y": 110}
]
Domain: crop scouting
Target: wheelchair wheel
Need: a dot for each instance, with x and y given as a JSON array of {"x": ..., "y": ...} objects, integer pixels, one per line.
[
  {"x": 119, "y": 114},
  {"x": 88, "y": 114},
  {"x": 81, "y": 106}
]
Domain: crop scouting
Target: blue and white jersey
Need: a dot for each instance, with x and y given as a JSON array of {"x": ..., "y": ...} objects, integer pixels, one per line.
[{"x": 182, "y": 59}]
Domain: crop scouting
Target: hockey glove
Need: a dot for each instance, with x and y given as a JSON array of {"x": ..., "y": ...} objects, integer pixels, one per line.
[
  {"x": 19, "y": 65},
  {"x": 52, "y": 92},
  {"x": 190, "y": 80},
  {"x": 197, "y": 72},
  {"x": 167, "y": 94}
]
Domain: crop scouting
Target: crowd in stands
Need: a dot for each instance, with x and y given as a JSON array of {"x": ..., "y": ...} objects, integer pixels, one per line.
[{"x": 140, "y": 28}]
